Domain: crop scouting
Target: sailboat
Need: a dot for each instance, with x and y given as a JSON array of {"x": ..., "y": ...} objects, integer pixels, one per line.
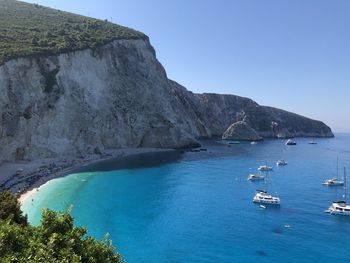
[
  {"x": 340, "y": 207},
  {"x": 263, "y": 197},
  {"x": 334, "y": 181},
  {"x": 312, "y": 142}
]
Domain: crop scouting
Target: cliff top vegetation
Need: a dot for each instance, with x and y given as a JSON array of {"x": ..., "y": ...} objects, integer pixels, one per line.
[{"x": 31, "y": 29}]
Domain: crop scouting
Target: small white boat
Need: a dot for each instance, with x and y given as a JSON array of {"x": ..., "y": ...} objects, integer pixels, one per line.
[
  {"x": 333, "y": 182},
  {"x": 256, "y": 177},
  {"x": 312, "y": 142},
  {"x": 281, "y": 163},
  {"x": 265, "y": 168},
  {"x": 340, "y": 207},
  {"x": 291, "y": 142},
  {"x": 253, "y": 143},
  {"x": 262, "y": 197}
]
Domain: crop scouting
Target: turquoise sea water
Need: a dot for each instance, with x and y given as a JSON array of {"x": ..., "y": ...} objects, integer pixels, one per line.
[{"x": 201, "y": 210}]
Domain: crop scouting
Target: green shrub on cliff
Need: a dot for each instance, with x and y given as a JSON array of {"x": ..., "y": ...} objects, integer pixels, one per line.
[
  {"x": 55, "y": 240},
  {"x": 27, "y": 29}
]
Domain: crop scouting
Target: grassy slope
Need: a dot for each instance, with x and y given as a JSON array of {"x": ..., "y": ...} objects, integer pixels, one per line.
[{"x": 27, "y": 29}]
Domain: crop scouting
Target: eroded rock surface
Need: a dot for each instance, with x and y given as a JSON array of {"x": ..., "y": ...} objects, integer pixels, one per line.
[
  {"x": 241, "y": 131},
  {"x": 118, "y": 95}
]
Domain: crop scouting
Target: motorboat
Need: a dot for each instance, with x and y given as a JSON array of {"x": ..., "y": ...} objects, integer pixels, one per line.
[
  {"x": 256, "y": 177},
  {"x": 291, "y": 142},
  {"x": 333, "y": 182},
  {"x": 262, "y": 197},
  {"x": 254, "y": 143},
  {"x": 340, "y": 207},
  {"x": 265, "y": 168},
  {"x": 281, "y": 163},
  {"x": 312, "y": 142}
]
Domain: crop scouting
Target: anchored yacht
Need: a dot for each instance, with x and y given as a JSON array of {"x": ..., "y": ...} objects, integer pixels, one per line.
[
  {"x": 340, "y": 207},
  {"x": 291, "y": 142},
  {"x": 281, "y": 163},
  {"x": 256, "y": 177},
  {"x": 265, "y": 168},
  {"x": 334, "y": 181},
  {"x": 262, "y": 197}
]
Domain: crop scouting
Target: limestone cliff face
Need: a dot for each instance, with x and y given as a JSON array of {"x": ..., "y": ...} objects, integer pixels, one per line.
[
  {"x": 216, "y": 113},
  {"x": 118, "y": 96}
]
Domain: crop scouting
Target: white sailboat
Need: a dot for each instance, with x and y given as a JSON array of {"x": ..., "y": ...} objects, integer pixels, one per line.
[
  {"x": 340, "y": 207},
  {"x": 334, "y": 181},
  {"x": 312, "y": 142}
]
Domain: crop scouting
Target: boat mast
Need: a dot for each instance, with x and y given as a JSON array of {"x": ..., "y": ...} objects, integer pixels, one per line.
[
  {"x": 345, "y": 184},
  {"x": 337, "y": 167}
]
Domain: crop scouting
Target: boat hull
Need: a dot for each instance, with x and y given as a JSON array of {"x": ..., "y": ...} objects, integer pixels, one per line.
[
  {"x": 265, "y": 202},
  {"x": 338, "y": 213},
  {"x": 265, "y": 168},
  {"x": 254, "y": 177}
]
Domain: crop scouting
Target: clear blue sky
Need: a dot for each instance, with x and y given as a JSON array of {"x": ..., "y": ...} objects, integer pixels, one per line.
[{"x": 291, "y": 54}]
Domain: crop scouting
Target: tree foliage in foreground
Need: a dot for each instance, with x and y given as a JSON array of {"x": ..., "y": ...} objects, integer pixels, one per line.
[{"x": 55, "y": 240}]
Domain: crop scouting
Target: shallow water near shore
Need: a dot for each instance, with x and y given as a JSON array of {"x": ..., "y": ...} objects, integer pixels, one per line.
[{"x": 201, "y": 210}]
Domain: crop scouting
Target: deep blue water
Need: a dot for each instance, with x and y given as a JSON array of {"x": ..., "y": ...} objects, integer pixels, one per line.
[{"x": 201, "y": 210}]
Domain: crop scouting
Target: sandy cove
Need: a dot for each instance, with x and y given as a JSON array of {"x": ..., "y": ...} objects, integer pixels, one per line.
[{"x": 26, "y": 177}]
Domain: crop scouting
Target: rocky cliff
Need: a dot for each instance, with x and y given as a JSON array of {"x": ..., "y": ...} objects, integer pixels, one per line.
[
  {"x": 118, "y": 95},
  {"x": 215, "y": 113}
]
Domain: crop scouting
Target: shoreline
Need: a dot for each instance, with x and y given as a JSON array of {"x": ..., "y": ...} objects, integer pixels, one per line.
[
  {"x": 25, "y": 196},
  {"x": 39, "y": 172},
  {"x": 114, "y": 157},
  {"x": 30, "y": 181}
]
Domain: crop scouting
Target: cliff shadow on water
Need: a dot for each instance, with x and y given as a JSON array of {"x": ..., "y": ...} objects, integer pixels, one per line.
[{"x": 133, "y": 161}]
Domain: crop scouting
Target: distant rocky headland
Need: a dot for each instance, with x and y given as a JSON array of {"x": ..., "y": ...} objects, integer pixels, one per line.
[{"x": 79, "y": 86}]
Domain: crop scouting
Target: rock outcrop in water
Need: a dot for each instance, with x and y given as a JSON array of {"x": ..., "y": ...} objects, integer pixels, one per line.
[
  {"x": 240, "y": 130},
  {"x": 118, "y": 95}
]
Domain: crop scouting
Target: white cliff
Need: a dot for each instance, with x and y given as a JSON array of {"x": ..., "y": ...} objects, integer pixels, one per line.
[{"x": 118, "y": 95}]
